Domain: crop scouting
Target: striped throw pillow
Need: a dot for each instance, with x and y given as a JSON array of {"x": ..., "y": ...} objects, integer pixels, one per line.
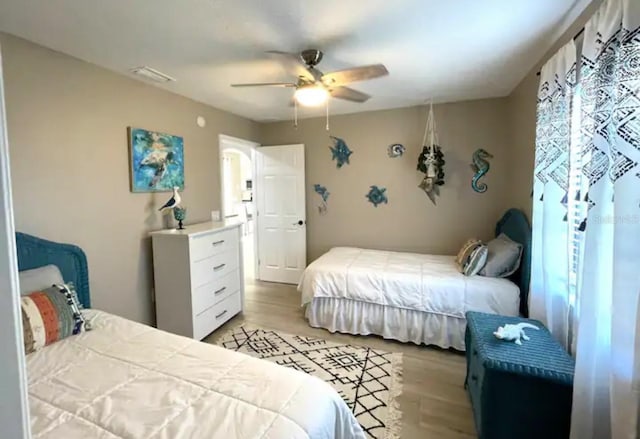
[
  {"x": 50, "y": 315},
  {"x": 472, "y": 257}
]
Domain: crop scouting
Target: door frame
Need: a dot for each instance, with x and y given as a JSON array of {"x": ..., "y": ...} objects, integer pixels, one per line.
[
  {"x": 226, "y": 142},
  {"x": 14, "y": 416}
]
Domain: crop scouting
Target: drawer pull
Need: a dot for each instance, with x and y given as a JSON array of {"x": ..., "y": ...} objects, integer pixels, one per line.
[
  {"x": 219, "y": 291},
  {"x": 219, "y": 267},
  {"x": 217, "y": 242},
  {"x": 475, "y": 352},
  {"x": 473, "y": 377},
  {"x": 221, "y": 314}
]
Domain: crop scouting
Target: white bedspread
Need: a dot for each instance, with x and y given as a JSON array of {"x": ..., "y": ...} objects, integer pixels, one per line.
[
  {"x": 127, "y": 380},
  {"x": 411, "y": 281}
]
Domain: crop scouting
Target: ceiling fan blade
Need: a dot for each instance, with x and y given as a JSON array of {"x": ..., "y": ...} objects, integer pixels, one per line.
[
  {"x": 343, "y": 77},
  {"x": 293, "y": 63},
  {"x": 349, "y": 94},
  {"x": 292, "y": 56},
  {"x": 266, "y": 84}
]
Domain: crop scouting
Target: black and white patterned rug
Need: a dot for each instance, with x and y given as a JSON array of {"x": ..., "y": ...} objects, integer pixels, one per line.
[{"x": 367, "y": 379}]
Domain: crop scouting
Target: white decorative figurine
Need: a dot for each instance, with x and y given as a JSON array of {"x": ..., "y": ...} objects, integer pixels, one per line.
[
  {"x": 174, "y": 201},
  {"x": 514, "y": 332}
]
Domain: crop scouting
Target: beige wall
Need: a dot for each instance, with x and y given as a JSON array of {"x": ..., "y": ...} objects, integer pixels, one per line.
[
  {"x": 67, "y": 131},
  {"x": 409, "y": 222},
  {"x": 67, "y": 123},
  {"x": 522, "y": 126},
  {"x": 522, "y": 120}
]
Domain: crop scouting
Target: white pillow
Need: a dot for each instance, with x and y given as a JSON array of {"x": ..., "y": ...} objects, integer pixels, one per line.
[{"x": 39, "y": 279}]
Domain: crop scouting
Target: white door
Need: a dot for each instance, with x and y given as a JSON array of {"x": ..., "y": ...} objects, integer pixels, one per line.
[{"x": 282, "y": 232}]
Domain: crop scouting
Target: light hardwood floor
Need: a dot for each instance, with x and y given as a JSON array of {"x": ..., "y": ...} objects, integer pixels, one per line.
[{"x": 434, "y": 403}]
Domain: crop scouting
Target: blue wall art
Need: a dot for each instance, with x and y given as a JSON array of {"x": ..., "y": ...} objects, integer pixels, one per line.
[
  {"x": 324, "y": 195},
  {"x": 157, "y": 161},
  {"x": 377, "y": 195},
  {"x": 340, "y": 152},
  {"x": 395, "y": 150},
  {"x": 480, "y": 167}
]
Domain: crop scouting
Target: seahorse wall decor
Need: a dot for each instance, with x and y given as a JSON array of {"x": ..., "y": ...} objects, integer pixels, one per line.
[{"x": 480, "y": 167}]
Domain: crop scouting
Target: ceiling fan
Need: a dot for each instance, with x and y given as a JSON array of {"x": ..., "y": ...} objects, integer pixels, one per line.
[{"x": 314, "y": 87}]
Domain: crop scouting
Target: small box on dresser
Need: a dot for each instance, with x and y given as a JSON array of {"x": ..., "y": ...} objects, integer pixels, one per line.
[
  {"x": 517, "y": 391},
  {"x": 199, "y": 281}
]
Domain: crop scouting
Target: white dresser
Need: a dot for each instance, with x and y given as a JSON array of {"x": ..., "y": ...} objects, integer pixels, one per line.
[{"x": 198, "y": 277}]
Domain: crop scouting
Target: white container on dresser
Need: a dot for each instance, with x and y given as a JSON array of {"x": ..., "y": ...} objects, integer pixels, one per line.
[{"x": 199, "y": 281}]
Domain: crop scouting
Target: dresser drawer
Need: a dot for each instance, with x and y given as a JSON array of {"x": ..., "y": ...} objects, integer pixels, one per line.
[
  {"x": 205, "y": 246},
  {"x": 210, "y": 319},
  {"x": 209, "y": 294},
  {"x": 213, "y": 268}
]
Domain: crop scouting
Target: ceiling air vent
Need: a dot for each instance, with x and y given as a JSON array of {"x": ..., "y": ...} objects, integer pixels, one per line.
[{"x": 152, "y": 74}]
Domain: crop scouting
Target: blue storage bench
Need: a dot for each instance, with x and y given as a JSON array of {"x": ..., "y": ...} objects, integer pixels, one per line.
[{"x": 517, "y": 391}]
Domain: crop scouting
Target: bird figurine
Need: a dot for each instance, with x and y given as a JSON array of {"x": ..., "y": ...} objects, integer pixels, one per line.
[{"x": 173, "y": 202}]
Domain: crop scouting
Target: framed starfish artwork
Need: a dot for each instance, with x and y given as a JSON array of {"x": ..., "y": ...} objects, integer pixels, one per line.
[{"x": 156, "y": 161}]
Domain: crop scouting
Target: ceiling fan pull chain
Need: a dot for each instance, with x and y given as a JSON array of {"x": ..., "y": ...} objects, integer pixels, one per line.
[
  {"x": 295, "y": 114},
  {"x": 327, "y": 109}
]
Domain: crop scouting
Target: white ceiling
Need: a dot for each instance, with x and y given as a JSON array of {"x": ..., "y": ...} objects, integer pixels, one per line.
[{"x": 448, "y": 50}]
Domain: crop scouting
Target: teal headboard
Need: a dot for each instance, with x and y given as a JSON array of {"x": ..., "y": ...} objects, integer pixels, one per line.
[
  {"x": 36, "y": 252},
  {"x": 515, "y": 225}
]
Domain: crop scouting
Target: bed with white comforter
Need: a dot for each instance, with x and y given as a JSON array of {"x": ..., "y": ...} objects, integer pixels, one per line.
[
  {"x": 127, "y": 380},
  {"x": 403, "y": 296}
]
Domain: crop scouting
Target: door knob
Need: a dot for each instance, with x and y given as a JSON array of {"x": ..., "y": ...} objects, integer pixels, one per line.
[{"x": 299, "y": 223}]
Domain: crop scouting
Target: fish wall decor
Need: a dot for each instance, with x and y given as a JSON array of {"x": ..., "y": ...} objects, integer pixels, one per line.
[
  {"x": 324, "y": 196},
  {"x": 340, "y": 152}
]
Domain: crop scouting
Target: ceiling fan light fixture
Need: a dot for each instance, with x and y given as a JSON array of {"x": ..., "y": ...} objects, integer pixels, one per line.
[{"x": 311, "y": 95}]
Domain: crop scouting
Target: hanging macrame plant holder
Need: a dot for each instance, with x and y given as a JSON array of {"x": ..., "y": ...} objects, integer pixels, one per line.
[{"x": 431, "y": 160}]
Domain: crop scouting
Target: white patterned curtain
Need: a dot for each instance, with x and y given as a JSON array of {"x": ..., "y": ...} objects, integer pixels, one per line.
[
  {"x": 606, "y": 384},
  {"x": 550, "y": 281}
]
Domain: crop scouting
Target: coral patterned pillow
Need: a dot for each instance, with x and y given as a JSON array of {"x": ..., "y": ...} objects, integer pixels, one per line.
[{"x": 50, "y": 315}]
